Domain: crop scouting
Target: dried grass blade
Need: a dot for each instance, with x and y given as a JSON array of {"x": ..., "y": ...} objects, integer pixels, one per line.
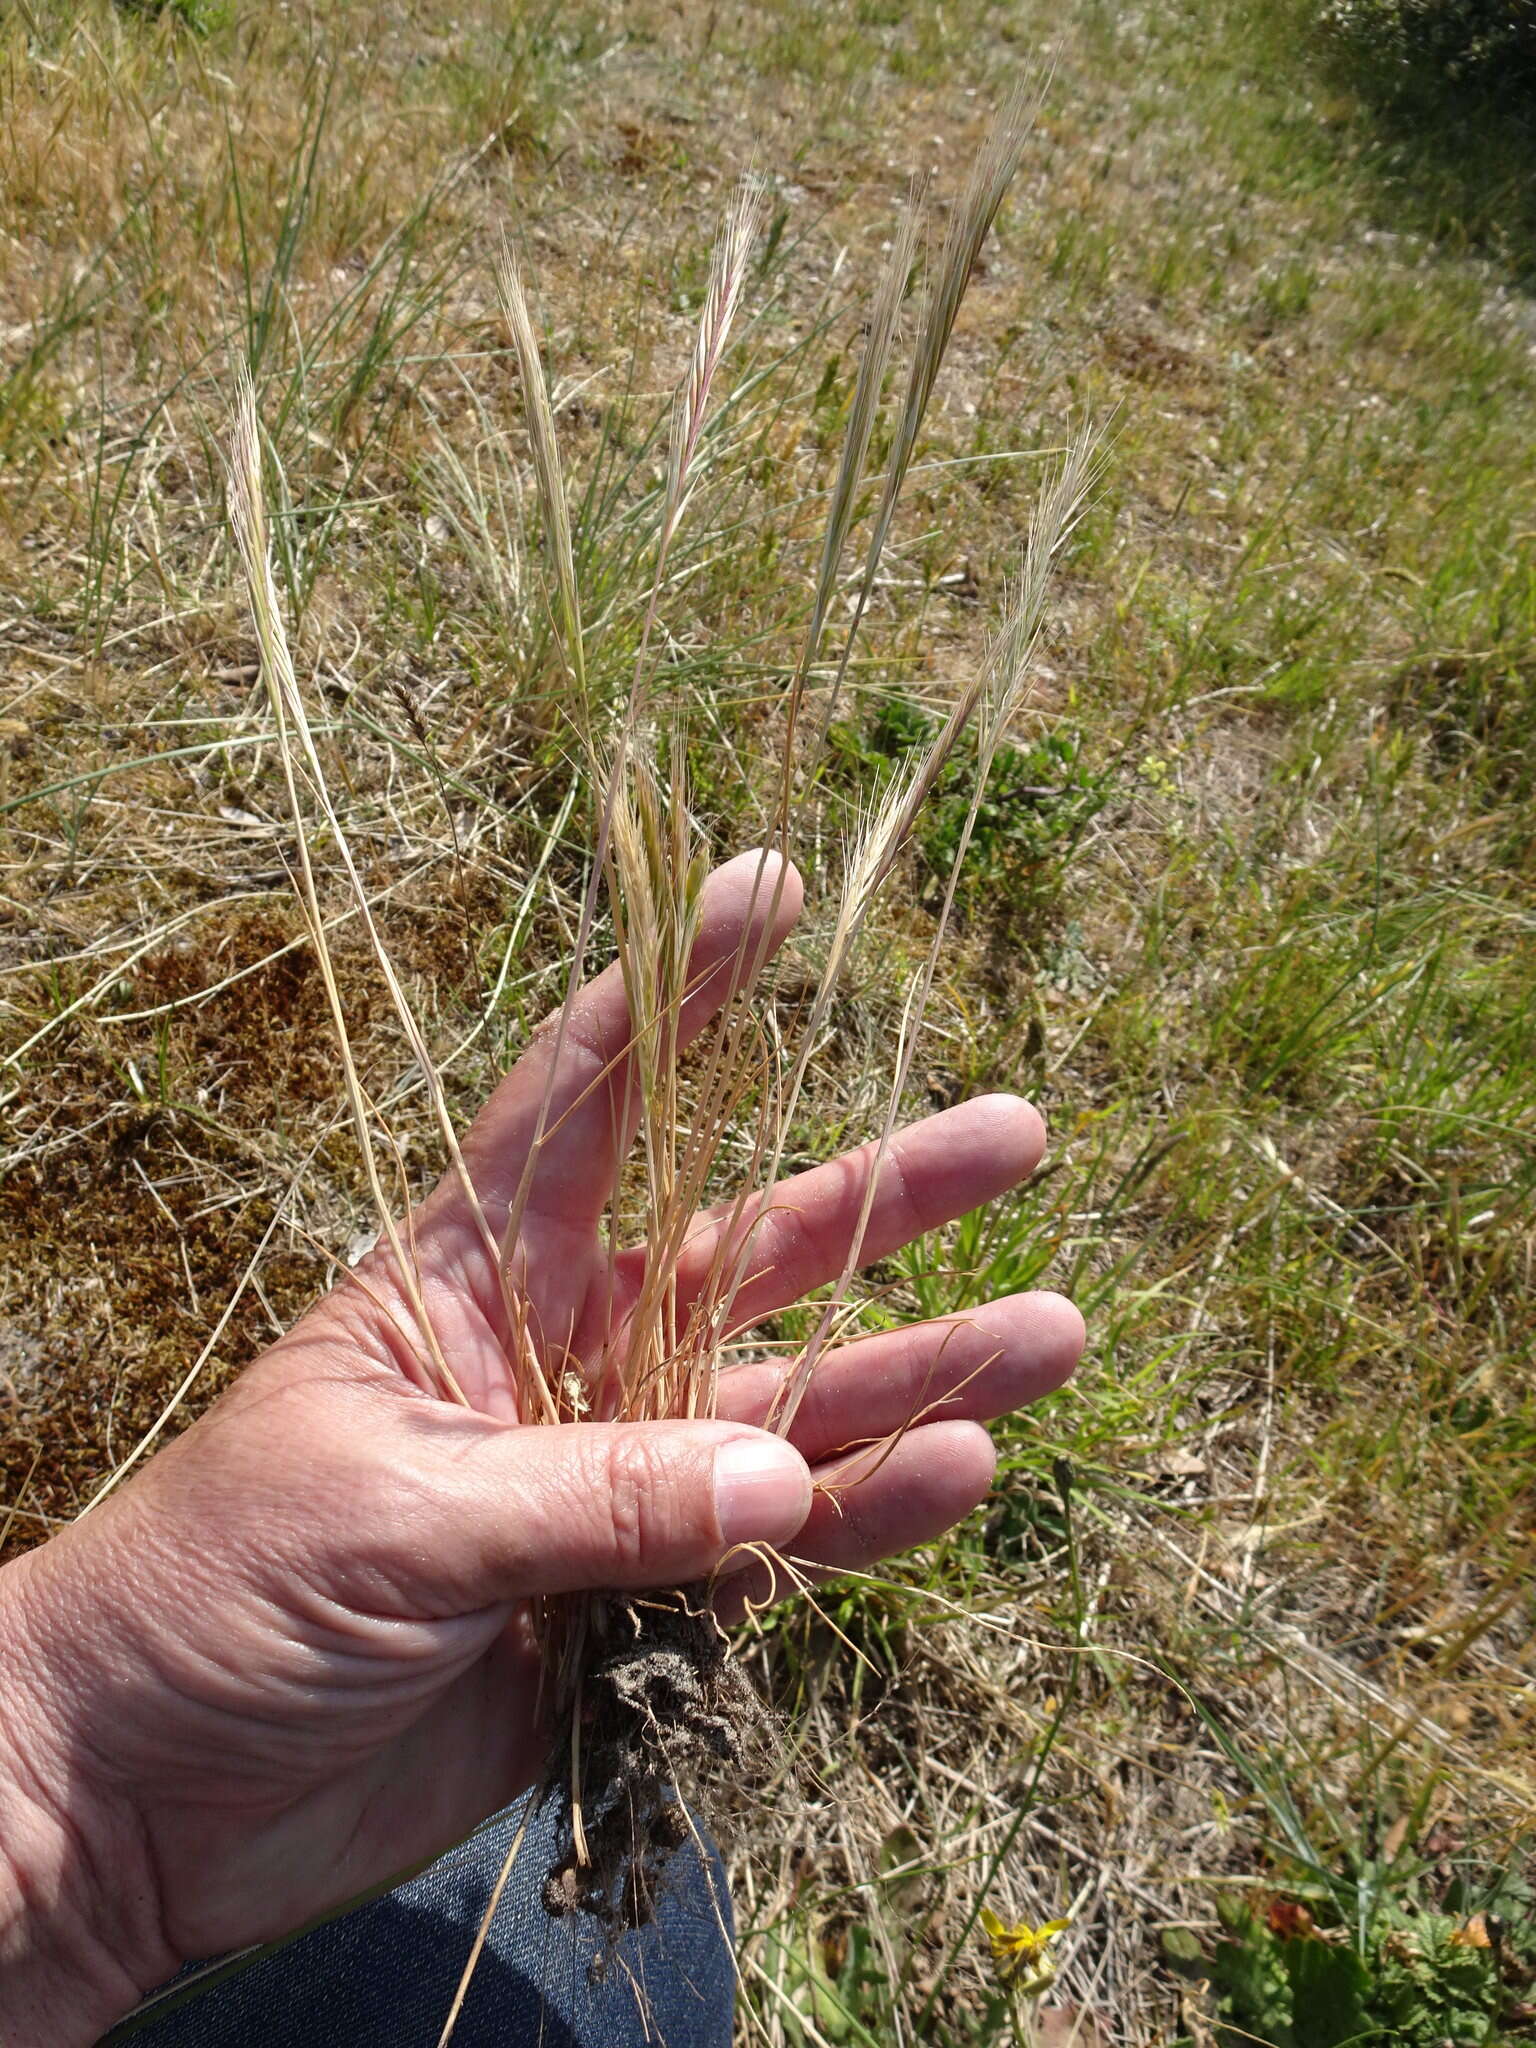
[
  {"x": 1004, "y": 684},
  {"x": 991, "y": 175},
  {"x": 722, "y": 297},
  {"x": 549, "y": 474},
  {"x": 247, "y": 500},
  {"x": 861, "y": 424}
]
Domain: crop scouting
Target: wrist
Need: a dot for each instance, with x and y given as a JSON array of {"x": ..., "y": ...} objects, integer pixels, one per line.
[{"x": 80, "y": 1940}]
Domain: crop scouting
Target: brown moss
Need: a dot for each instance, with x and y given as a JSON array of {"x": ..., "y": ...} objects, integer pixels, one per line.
[
  {"x": 115, "y": 1267},
  {"x": 128, "y": 1215}
]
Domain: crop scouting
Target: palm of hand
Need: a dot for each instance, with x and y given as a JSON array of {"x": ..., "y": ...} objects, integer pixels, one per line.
[{"x": 315, "y": 1660}]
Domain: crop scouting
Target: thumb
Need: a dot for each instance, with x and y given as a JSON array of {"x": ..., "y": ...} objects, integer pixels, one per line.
[{"x": 502, "y": 1511}]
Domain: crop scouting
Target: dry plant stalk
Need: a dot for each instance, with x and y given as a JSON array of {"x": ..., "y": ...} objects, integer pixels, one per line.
[{"x": 645, "y": 1694}]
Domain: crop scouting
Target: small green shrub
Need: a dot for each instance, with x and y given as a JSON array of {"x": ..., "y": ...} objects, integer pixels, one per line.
[
  {"x": 1418, "y": 1974},
  {"x": 202, "y": 17},
  {"x": 1039, "y": 801},
  {"x": 1464, "y": 41}
]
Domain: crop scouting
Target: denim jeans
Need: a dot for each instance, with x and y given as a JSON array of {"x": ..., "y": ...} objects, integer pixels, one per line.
[{"x": 385, "y": 1973}]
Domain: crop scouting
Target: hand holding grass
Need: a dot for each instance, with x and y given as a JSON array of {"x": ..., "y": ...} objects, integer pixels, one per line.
[{"x": 292, "y": 1659}]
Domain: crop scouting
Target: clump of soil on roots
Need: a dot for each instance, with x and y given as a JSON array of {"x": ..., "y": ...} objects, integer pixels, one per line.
[{"x": 661, "y": 1708}]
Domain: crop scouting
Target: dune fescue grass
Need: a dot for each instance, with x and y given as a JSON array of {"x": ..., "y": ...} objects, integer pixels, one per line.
[
  {"x": 652, "y": 860},
  {"x": 1246, "y": 1614}
]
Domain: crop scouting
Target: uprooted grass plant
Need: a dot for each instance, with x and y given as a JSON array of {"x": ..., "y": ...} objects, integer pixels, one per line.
[{"x": 645, "y": 1694}]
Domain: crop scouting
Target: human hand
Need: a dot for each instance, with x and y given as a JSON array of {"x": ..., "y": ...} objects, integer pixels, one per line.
[{"x": 291, "y": 1659}]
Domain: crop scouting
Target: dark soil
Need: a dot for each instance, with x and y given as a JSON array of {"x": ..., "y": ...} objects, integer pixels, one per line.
[{"x": 663, "y": 1709}]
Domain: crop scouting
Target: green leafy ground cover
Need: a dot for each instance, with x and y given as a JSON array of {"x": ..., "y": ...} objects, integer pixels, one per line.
[{"x": 1246, "y": 1629}]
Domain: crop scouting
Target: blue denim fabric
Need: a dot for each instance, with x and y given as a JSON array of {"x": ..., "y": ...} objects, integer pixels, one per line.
[{"x": 384, "y": 1974}]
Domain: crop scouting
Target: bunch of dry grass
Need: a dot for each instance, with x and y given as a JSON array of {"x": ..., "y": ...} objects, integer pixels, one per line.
[{"x": 621, "y": 1739}]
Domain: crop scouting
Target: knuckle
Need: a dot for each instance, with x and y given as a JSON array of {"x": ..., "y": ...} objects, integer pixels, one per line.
[{"x": 640, "y": 1501}]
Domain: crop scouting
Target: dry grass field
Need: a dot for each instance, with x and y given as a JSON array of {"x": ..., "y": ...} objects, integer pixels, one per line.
[{"x": 1243, "y": 1644}]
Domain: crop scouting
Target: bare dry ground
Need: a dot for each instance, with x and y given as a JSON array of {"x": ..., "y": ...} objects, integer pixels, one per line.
[{"x": 1252, "y": 913}]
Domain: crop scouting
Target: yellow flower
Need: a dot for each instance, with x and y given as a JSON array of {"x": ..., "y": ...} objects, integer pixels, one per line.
[{"x": 1019, "y": 1953}]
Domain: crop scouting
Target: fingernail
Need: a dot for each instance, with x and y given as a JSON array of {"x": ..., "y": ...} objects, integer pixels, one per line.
[{"x": 762, "y": 1489}]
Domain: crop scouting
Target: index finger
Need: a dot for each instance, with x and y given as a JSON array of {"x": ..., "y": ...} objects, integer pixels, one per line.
[
  {"x": 797, "y": 1235},
  {"x": 750, "y": 905}
]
